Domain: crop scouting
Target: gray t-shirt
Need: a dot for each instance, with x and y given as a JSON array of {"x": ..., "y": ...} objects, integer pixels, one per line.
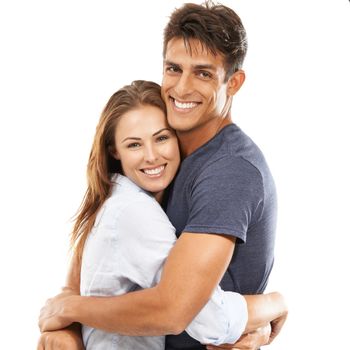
[{"x": 225, "y": 187}]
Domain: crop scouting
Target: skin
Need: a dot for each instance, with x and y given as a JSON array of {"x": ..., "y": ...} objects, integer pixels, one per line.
[
  {"x": 203, "y": 99},
  {"x": 69, "y": 337},
  {"x": 197, "y": 80},
  {"x": 147, "y": 148}
]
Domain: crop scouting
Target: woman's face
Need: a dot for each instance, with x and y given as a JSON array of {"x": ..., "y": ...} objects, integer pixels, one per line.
[{"x": 147, "y": 148}]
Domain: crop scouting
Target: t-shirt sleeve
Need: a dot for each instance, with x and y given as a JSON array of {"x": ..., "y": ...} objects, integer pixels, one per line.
[
  {"x": 225, "y": 198},
  {"x": 222, "y": 320},
  {"x": 145, "y": 238}
]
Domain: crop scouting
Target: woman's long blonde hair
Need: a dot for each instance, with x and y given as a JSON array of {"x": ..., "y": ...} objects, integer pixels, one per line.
[{"x": 102, "y": 165}]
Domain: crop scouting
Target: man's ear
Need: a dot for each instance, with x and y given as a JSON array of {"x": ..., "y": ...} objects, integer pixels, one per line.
[{"x": 235, "y": 82}]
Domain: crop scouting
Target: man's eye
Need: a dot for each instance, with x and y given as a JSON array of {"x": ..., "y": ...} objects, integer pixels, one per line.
[
  {"x": 173, "y": 69},
  {"x": 205, "y": 74}
]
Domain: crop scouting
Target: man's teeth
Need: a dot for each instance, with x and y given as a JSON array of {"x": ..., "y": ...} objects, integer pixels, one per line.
[
  {"x": 185, "y": 105},
  {"x": 154, "y": 171}
]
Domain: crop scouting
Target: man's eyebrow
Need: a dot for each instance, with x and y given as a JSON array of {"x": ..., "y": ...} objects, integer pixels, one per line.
[
  {"x": 170, "y": 63},
  {"x": 204, "y": 66},
  {"x": 196, "y": 66}
]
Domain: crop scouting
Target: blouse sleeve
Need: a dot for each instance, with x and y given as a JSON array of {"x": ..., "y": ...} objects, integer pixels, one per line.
[{"x": 222, "y": 320}]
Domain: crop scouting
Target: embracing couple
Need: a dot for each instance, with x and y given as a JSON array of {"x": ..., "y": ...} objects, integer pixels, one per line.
[{"x": 174, "y": 240}]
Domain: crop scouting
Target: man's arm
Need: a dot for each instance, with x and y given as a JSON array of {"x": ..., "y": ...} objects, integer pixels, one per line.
[
  {"x": 194, "y": 267},
  {"x": 167, "y": 308}
]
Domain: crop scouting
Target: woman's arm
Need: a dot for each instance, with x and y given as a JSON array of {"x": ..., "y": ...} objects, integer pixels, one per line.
[
  {"x": 228, "y": 315},
  {"x": 70, "y": 337},
  {"x": 222, "y": 320},
  {"x": 264, "y": 309},
  {"x": 269, "y": 309}
]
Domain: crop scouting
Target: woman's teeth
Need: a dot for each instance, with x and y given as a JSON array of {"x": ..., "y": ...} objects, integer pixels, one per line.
[{"x": 154, "y": 171}]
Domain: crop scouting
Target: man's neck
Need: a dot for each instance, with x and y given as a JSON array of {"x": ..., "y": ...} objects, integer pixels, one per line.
[{"x": 194, "y": 139}]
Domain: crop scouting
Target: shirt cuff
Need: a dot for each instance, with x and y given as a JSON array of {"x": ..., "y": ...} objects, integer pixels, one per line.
[{"x": 222, "y": 320}]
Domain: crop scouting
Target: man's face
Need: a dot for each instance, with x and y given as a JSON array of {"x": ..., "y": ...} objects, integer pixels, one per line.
[{"x": 193, "y": 86}]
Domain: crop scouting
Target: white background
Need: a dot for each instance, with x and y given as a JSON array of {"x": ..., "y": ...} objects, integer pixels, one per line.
[{"x": 60, "y": 62}]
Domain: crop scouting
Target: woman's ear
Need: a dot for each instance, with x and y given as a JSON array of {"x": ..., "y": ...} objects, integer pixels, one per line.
[
  {"x": 235, "y": 82},
  {"x": 113, "y": 152}
]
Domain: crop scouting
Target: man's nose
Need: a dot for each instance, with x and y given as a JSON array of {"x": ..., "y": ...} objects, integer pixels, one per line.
[{"x": 184, "y": 86}]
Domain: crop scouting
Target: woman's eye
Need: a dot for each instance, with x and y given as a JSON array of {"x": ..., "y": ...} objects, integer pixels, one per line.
[
  {"x": 133, "y": 145},
  {"x": 162, "y": 138}
]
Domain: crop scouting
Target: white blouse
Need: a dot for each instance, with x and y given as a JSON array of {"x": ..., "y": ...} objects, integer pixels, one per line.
[{"x": 126, "y": 251}]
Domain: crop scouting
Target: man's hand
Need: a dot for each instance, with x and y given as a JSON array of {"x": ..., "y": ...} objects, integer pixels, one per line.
[
  {"x": 53, "y": 316},
  {"x": 65, "y": 339},
  {"x": 250, "y": 341}
]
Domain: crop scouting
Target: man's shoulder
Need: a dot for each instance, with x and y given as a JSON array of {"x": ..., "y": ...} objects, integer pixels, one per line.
[
  {"x": 234, "y": 147},
  {"x": 230, "y": 166},
  {"x": 229, "y": 156}
]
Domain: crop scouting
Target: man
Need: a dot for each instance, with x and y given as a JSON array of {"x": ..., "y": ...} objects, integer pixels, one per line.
[{"x": 223, "y": 201}]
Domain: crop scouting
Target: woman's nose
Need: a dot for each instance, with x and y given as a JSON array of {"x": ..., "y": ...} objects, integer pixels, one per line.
[{"x": 150, "y": 154}]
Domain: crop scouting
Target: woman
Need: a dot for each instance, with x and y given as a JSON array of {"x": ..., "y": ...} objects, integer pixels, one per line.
[{"x": 123, "y": 236}]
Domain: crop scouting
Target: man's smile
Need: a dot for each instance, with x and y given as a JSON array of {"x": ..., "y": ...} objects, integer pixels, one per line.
[{"x": 184, "y": 105}]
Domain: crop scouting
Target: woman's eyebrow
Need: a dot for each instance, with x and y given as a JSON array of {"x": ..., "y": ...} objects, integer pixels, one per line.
[
  {"x": 132, "y": 138},
  {"x": 158, "y": 132}
]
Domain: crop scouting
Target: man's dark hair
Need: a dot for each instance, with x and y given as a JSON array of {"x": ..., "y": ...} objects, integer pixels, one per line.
[{"x": 218, "y": 28}]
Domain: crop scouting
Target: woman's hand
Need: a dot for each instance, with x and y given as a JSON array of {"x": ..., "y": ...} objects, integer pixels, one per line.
[
  {"x": 250, "y": 341},
  {"x": 276, "y": 326},
  {"x": 55, "y": 314},
  {"x": 65, "y": 339}
]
